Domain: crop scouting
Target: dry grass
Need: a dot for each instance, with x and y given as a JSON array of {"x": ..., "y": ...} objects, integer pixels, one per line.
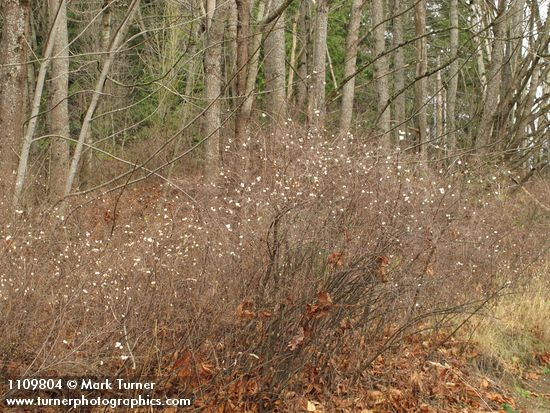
[{"x": 516, "y": 328}]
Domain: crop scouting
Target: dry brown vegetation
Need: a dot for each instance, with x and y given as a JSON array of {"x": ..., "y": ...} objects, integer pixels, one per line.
[{"x": 329, "y": 279}]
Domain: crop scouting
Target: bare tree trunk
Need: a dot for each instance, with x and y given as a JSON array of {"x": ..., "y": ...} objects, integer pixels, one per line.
[
  {"x": 316, "y": 106},
  {"x": 439, "y": 106},
  {"x": 292, "y": 61},
  {"x": 254, "y": 51},
  {"x": 243, "y": 33},
  {"x": 348, "y": 90},
  {"x": 170, "y": 56},
  {"x": 485, "y": 129},
  {"x": 399, "y": 74},
  {"x": 86, "y": 123},
  {"x": 453, "y": 80},
  {"x": 516, "y": 33},
  {"x": 420, "y": 84},
  {"x": 275, "y": 71},
  {"x": 525, "y": 110},
  {"x": 13, "y": 71},
  {"x": 303, "y": 36},
  {"x": 231, "y": 42},
  {"x": 381, "y": 73},
  {"x": 212, "y": 79},
  {"x": 479, "y": 47},
  {"x": 35, "y": 109},
  {"x": 88, "y": 154},
  {"x": 59, "y": 92},
  {"x": 505, "y": 114}
]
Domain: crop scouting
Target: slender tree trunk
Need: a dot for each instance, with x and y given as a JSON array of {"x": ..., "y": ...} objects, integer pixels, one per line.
[
  {"x": 521, "y": 127},
  {"x": 254, "y": 52},
  {"x": 516, "y": 33},
  {"x": 33, "y": 119},
  {"x": 453, "y": 80},
  {"x": 303, "y": 37},
  {"x": 316, "y": 107},
  {"x": 13, "y": 71},
  {"x": 439, "y": 106},
  {"x": 348, "y": 90},
  {"x": 399, "y": 74},
  {"x": 231, "y": 43},
  {"x": 243, "y": 33},
  {"x": 59, "y": 92},
  {"x": 275, "y": 71},
  {"x": 292, "y": 62},
  {"x": 212, "y": 79},
  {"x": 420, "y": 84},
  {"x": 490, "y": 106},
  {"x": 381, "y": 73},
  {"x": 480, "y": 60},
  {"x": 88, "y": 164},
  {"x": 171, "y": 55},
  {"x": 504, "y": 116},
  {"x": 86, "y": 123}
]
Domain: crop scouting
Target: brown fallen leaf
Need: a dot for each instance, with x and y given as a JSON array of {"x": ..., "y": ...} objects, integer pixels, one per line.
[
  {"x": 297, "y": 340},
  {"x": 375, "y": 396}
]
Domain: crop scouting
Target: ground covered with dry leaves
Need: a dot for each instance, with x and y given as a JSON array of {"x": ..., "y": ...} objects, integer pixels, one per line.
[{"x": 330, "y": 280}]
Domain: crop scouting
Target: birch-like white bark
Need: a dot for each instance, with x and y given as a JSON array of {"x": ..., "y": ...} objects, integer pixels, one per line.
[
  {"x": 115, "y": 44},
  {"x": 35, "y": 108}
]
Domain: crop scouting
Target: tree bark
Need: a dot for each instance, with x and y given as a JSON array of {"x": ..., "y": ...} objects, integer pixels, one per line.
[
  {"x": 316, "y": 106},
  {"x": 88, "y": 164},
  {"x": 348, "y": 90},
  {"x": 381, "y": 73},
  {"x": 13, "y": 72},
  {"x": 275, "y": 71},
  {"x": 230, "y": 43},
  {"x": 86, "y": 123},
  {"x": 302, "y": 69},
  {"x": 420, "y": 84},
  {"x": 243, "y": 33},
  {"x": 212, "y": 90},
  {"x": 399, "y": 75},
  {"x": 480, "y": 60},
  {"x": 59, "y": 92},
  {"x": 494, "y": 77},
  {"x": 453, "y": 79},
  {"x": 254, "y": 51},
  {"x": 439, "y": 107},
  {"x": 33, "y": 119},
  {"x": 292, "y": 61}
]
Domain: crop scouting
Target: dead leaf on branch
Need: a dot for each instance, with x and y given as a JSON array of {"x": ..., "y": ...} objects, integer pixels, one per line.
[
  {"x": 383, "y": 265},
  {"x": 430, "y": 270},
  {"x": 321, "y": 308},
  {"x": 263, "y": 315},
  {"x": 336, "y": 259},
  {"x": 324, "y": 299},
  {"x": 189, "y": 367},
  {"x": 245, "y": 310},
  {"x": 297, "y": 340}
]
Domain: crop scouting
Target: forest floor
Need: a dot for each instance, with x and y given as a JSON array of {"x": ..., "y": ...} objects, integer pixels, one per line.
[
  {"x": 449, "y": 377},
  {"x": 397, "y": 292}
]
